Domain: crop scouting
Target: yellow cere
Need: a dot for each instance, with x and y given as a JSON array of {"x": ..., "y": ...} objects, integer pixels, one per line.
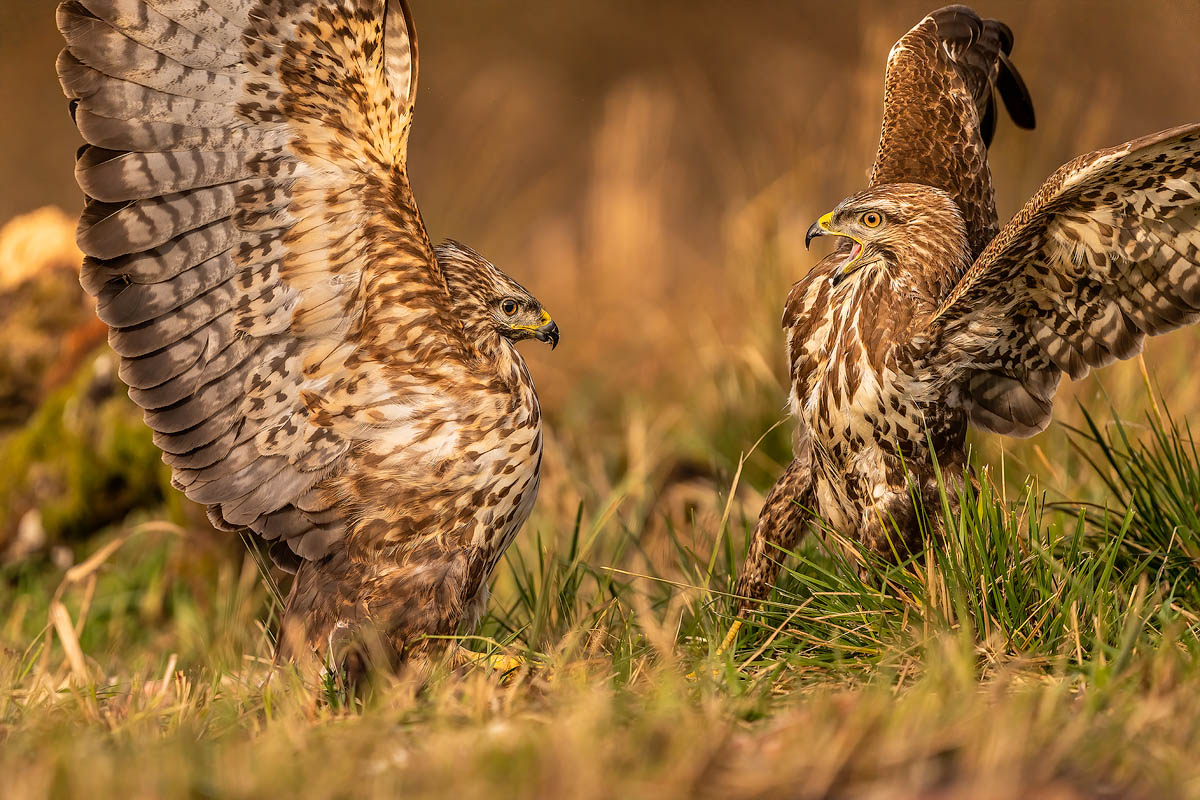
[{"x": 543, "y": 322}]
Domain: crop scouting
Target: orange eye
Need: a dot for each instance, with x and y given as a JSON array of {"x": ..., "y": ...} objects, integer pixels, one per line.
[
  {"x": 872, "y": 219},
  {"x": 509, "y": 307}
]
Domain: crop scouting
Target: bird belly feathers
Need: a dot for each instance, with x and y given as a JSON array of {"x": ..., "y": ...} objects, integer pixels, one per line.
[
  {"x": 456, "y": 477},
  {"x": 864, "y": 415}
]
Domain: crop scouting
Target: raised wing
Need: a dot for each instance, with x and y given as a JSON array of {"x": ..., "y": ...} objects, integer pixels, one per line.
[
  {"x": 1106, "y": 253},
  {"x": 252, "y": 240},
  {"x": 940, "y": 111}
]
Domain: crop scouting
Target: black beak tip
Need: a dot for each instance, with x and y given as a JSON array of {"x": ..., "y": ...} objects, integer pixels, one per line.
[
  {"x": 814, "y": 231},
  {"x": 548, "y": 333}
]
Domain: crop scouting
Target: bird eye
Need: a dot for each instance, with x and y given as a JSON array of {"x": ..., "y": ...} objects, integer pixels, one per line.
[
  {"x": 509, "y": 307},
  {"x": 872, "y": 219}
]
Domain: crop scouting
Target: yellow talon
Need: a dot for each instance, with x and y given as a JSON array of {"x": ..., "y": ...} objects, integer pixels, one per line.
[
  {"x": 498, "y": 662},
  {"x": 505, "y": 663},
  {"x": 730, "y": 637},
  {"x": 726, "y": 643}
]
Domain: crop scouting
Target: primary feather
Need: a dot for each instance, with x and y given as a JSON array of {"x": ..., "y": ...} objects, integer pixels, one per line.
[
  {"x": 928, "y": 324},
  {"x": 304, "y": 359}
]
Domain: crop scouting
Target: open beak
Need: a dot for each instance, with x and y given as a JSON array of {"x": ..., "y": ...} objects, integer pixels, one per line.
[{"x": 822, "y": 227}]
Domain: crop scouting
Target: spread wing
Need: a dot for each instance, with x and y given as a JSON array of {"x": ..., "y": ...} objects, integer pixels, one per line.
[
  {"x": 940, "y": 111},
  {"x": 252, "y": 239},
  {"x": 1106, "y": 253}
]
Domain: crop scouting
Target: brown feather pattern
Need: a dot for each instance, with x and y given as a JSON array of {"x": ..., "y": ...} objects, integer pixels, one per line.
[
  {"x": 912, "y": 330},
  {"x": 939, "y": 110},
  {"x": 312, "y": 368}
]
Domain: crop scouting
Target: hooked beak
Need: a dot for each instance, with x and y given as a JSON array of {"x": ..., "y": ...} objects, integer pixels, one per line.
[
  {"x": 548, "y": 333},
  {"x": 818, "y": 228},
  {"x": 545, "y": 331},
  {"x": 822, "y": 227}
]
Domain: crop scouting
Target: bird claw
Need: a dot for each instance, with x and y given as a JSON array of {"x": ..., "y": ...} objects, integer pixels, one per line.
[
  {"x": 730, "y": 637},
  {"x": 503, "y": 663},
  {"x": 726, "y": 643}
]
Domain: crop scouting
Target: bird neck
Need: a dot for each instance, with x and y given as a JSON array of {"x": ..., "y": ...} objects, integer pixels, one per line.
[
  {"x": 502, "y": 354},
  {"x": 931, "y": 270}
]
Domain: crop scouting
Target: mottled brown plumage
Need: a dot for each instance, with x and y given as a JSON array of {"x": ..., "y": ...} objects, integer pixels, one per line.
[
  {"x": 939, "y": 111},
  {"x": 910, "y": 331},
  {"x": 312, "y": 367}
]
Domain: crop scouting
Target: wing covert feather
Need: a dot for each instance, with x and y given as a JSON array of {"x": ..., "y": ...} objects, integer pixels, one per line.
[{"x": 1106, "y": 253}]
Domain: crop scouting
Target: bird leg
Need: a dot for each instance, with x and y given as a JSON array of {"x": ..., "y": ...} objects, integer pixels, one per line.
[
  {"x": 730, "y": 637},
  {"x": 780, "y": 525}
]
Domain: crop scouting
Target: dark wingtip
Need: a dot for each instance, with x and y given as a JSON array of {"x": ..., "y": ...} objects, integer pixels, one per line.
[
  {"x": 1004, "y": 33},
  {"x": 1015, "y": 95},
  {"x": 987, "y": 125},
  {"x": 958, "y": 23},
  {"x": 981, "y": 48},
  {"x": 956, "y": 13}
]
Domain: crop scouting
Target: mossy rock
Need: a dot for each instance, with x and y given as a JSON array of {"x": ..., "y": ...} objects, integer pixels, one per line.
[{"x": 83, "y": 461}]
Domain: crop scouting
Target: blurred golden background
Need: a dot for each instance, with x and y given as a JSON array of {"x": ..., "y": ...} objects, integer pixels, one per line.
[{"x": 648, "y": 169}]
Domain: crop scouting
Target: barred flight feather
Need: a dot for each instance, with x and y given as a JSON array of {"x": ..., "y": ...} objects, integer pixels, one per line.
[
  {"x": 930, "y": 317},
  {"x": 253, "y": 242}
]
